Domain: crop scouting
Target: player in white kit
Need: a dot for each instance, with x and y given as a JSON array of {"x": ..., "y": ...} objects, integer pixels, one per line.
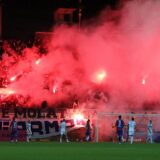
[
  {"x": 28, "y": 131},
  {"x": 63, "y": 130},
  {"x": 131, "y": 129},
  {"x": 150, "y": 132}
]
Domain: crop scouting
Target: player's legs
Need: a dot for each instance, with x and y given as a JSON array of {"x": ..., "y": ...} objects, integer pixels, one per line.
[
  {"x": 61, "y": 135},
  {"x": 131, "y": 136},
  {"x": 16, "y": 135},
  {"x": 150, "y": 139},
  {"x": 66, "y": 136},
  {"x": 131, "y": 139},
  {"x": 120, "y": 134},
  {"x": 87, "y": 136},
  {"x": 119, "y": 138},
  {"x": 28, "y": 138},
  {"x": 29, "y": 134}
]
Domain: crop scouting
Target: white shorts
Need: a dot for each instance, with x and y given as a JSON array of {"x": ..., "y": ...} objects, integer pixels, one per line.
[
  {"x": 131, "y": 133},
  {"x": 150, "y": 134},
  {"x": 63, "y": 132},
  {"x": 29, "y": 132}
]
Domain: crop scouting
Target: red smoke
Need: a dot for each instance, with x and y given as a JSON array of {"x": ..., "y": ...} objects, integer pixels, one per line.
[{"x": 113, "y": 62}]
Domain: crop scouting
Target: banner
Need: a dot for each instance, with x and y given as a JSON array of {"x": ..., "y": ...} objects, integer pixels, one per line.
[{"x": 44, "y": 123}]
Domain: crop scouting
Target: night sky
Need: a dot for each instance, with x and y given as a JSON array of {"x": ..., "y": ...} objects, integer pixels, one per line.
[{"x": 22, "y": 18}]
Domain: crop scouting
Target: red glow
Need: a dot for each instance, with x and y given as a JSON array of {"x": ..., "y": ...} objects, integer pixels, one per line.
[
  {"x": 124, "y": 54},
  {"x": 38, "y": 61},
  {"x": 54, "y": 89},
  {"x": 78, "y": 118},
  {"x": 99, "y": 76},
  {"x": 143, "y": 81},
  {"x": 12, "y": 79},
  {"x": 6, "y": 91}
]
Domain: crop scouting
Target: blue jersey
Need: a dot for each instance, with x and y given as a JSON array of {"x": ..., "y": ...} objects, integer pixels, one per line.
[
  {"x": 14, "y": 125},
  {"x": 119, "y": 124}
]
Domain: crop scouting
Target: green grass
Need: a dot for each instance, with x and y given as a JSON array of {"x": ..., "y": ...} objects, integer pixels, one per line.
[{"x": 78, "y": 151}]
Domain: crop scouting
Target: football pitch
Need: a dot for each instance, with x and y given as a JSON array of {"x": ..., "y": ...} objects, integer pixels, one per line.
[{"x": 78, "y": 151}]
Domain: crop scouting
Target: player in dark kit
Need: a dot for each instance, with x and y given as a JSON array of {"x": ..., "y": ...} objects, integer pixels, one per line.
[
  {"x": 119, "y": 126},
  {"x": 88, "y": 131},
  {"x": 14, "y": 131}
]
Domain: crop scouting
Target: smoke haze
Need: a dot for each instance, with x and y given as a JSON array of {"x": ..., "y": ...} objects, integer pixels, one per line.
[{"x": 114, "y": 60}]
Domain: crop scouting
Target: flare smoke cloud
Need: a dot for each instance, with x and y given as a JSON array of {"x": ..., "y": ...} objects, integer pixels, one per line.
[{"x": 116, "y": 55}]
